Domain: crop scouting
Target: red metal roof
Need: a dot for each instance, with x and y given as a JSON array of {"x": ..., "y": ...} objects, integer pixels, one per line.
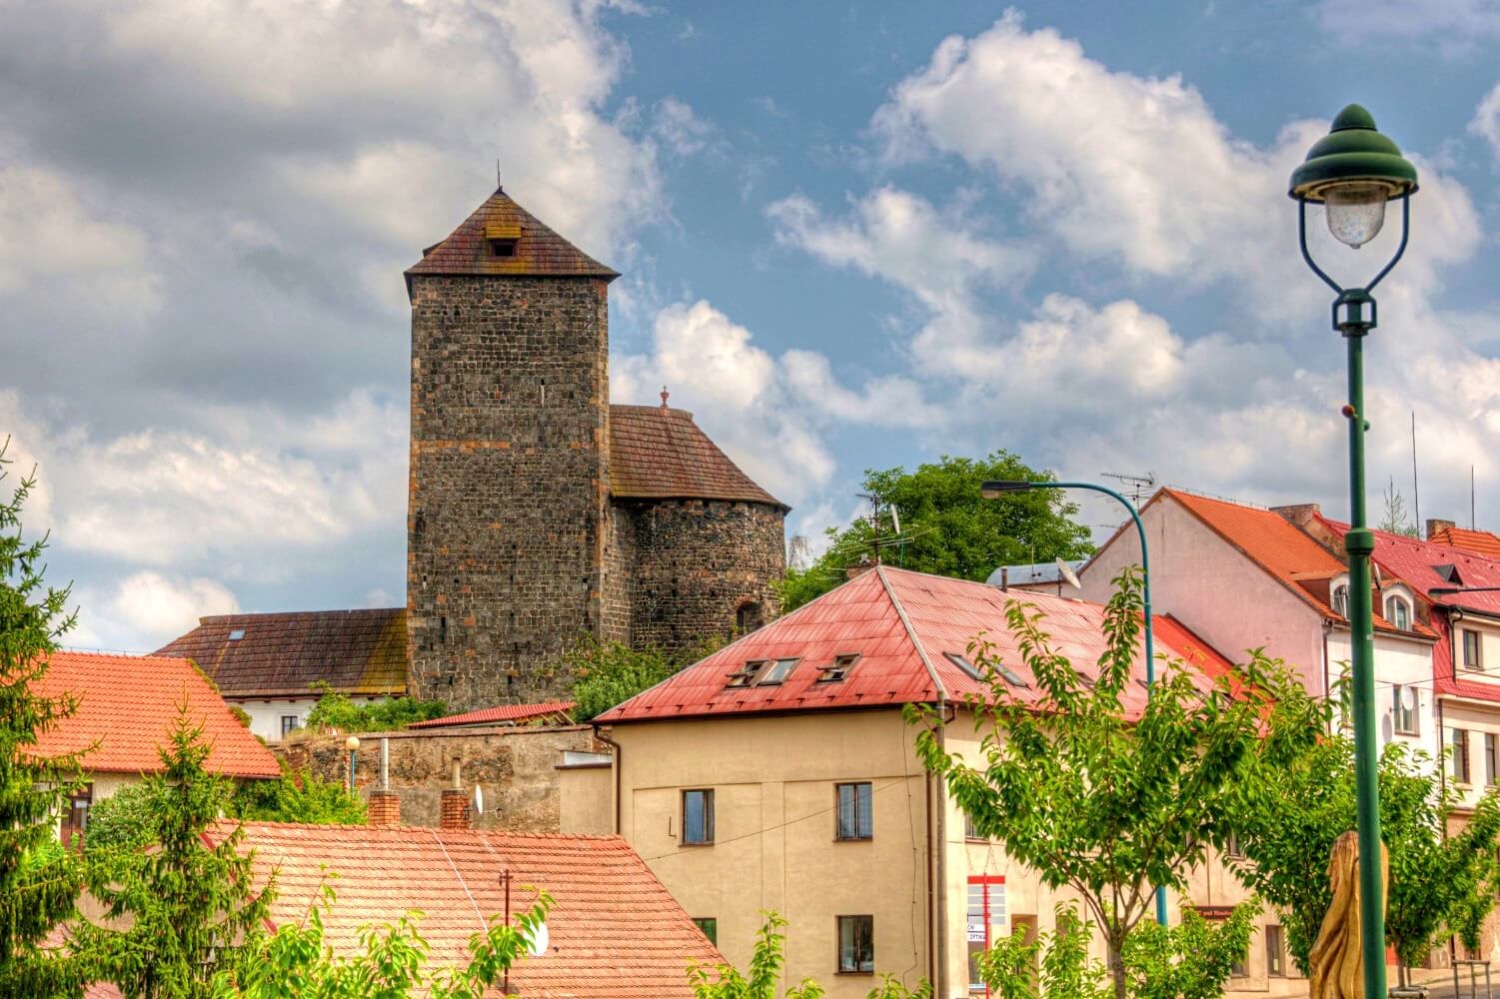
[
  {"x": 503, "y": 714},
  {"x": 902, "y": 625},
  {"x": 659, "y": 453},
  {"x": 128, "y": 706},
  {"x": 615, "y": 932}
]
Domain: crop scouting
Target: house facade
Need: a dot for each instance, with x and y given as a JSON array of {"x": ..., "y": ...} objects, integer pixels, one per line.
[
  {"x": 126, "y": 709},
  {"x": 1248, "y": 578},
  {"x": 779, "y": 773}
]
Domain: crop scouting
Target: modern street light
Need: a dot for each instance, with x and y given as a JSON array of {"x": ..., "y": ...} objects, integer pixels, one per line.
[
  {"x": 996, "y": 489},
  {"x": 352, "y": 744},
  {"x": 1353, "y": 171}
]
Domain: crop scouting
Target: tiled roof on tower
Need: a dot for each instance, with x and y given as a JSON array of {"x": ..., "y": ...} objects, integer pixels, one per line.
[
  {"x": 501, "y": 237},
  {"x": 659, "y": 453}
]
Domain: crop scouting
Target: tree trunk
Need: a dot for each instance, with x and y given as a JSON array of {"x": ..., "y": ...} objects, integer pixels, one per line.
[{"x": 1117, "y": 963}]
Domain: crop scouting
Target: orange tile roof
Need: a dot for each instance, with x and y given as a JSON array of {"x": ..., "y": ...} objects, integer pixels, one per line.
[
  {"x": 539, "y": 251},
  {"x": 659, "y": 453},
  {"x": 1478, "y": 542},
  {"x": 902, "y": 625},
  {"x": 615, "y": 932},
  {"x": 128, "y": 706},
  {"x": 353, "y": 651},
  {"x": 501, "y": 714},
  {"x": 1274, "y": 544}
]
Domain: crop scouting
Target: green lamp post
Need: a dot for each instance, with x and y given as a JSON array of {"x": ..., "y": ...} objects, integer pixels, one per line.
[{"x": 1353, "y": 172}]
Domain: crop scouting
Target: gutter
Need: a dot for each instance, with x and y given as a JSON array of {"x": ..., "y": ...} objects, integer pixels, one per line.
[
  {"x": 619, "y": 753},
  {"x": 937, "y": 838}
]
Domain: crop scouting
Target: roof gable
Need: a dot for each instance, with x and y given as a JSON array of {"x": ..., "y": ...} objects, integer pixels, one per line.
[
  {"x": 660, "y": 453},
  {"x": 127, "y": 705},
  {"x": 537, "y": 250},
  {"x": 614, "y": 932},
  {"x": 261, "y": 655},
  {"x": 911, "y": 631},
  {"x": 1478, "y": 542}
]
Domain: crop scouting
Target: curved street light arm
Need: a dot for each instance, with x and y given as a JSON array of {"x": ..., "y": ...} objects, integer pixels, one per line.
[{"x": 1337, "y": 288}]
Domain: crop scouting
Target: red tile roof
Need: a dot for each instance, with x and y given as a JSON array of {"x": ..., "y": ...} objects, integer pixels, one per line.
[
  {"x": 538, "y": 252},
  {"x": 615, "y": 932},
  {"x": 659, "y": 453},
  {"x": 128, "y": 706},
  {"x": 282, "y": 655},
  {"x": 1277, "y": 546},
  {"x": 902, "y": 624},
  {"x": 1478, "y": 542},
  {"x": 503, "y": 714}
]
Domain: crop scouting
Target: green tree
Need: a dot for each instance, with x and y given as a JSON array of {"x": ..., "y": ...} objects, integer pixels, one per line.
[
  {"x": 1395, "y": 520},
  {"x": 185, "y": 910},
  {"x": 335, "y": 710},
  {"x": 1055, "y": 965},
  {"x": 298, "y": 796},
  {"x": 1109, "y": 800},
  {"x": 1439, "y": 883},
  {"x": 947, "y": 527},
  {"x": 39, "y": 883},
  {"x": 609, "y": 673},
  {"x": 726, "y": 982}
]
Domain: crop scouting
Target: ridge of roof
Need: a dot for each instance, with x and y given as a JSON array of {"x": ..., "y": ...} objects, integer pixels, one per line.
[
  {"x": 538, "y": 252},
  {"x": 916, "y": 640}
]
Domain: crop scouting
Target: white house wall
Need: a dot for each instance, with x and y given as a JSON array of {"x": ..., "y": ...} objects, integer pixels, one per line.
[{"x": 266, "y": 714}]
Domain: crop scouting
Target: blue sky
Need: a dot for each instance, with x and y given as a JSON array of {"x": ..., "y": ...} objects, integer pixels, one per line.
[{"x": 852, "y": 236}]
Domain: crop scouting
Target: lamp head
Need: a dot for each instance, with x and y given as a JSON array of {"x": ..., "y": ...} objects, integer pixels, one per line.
[
  {"x": 1353, "y": 171},
  {"x": 351, "y": 743},
  {"x": 994, "y": 489}
]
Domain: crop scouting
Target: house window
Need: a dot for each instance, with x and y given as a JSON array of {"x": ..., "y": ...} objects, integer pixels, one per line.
[
  {"x": 237, "y": 634},
  {"x": 962, "y": 662},
  {"x": 289, "y": 724},
  {"x": 76, "y": 819},
  {"x": 986, "y": 920},
  {"x": 838, "y": 670},
  {"x": 1233, "y": 849},
  {"x": 1491, "y": 757},
  {"x": 709, "y": 927},
  {"x": 697, "y": 818},
  {"x": 1404, "y": 709},
  {"x": 1240, "y": 966},
  {"x": 1472, "y": 658},
  {"x": 970, "y": 830},
  {"x": 748, "y": 618},
  {"x": 746, "y": 676},
  {"x": 856, "y": 945},
  {"x": 1341, "y": 601},
  {"x": 1398, "y": 612},
  {"x": 1275, "y": 952},
  {"x": 856, "y": 811},
  {"x": 777, "y": 672},
  {"x": 1461, "y": 755}
]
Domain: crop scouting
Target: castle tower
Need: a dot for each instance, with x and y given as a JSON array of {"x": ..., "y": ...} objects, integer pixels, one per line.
[{"x": 508, "y": 506}]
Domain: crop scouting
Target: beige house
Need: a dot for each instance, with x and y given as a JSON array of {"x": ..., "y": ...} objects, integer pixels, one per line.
[{"x": 779, "y": 773}]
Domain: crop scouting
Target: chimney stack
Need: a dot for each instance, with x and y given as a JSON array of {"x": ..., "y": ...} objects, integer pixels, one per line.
[
  {"x": 859, "y": 568},
  {"x": 454, "y": 810},
  {"x": 1298, "y": 514},
  {"x": 1438, "y": 527},
  {"x": 385, "y": 804}
]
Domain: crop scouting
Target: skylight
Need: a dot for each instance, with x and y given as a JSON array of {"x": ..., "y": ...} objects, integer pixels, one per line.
[
  {"x": 237, "y": 634},
  {"x": 838, "y": 670},
  {"x": 779, "y": 671},
  {"x": 963, "y": 663}
]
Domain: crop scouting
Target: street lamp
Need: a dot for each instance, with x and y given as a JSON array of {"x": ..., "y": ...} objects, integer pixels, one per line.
[
  {"x": 1353, "y": 171},
  {"x": 996, "y": 489},
  {"x": 352, "y": 744}
]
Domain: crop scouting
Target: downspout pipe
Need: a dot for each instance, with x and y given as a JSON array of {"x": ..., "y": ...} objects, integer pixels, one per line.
[{"x": 619, "y": 755}]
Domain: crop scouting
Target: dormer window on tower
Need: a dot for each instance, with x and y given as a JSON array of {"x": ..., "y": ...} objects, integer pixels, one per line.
[{"x": 502, "y": 239}]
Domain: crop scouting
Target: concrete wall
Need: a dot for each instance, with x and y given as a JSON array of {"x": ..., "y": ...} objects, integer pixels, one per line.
[
  {"x": 515, "y": 767},
  {"x": 505, "y": 533},
  {"x": 586, "y": 804}
]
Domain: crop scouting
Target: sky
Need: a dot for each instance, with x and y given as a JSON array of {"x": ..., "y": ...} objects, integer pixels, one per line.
[{"x": 851, "y": 236}]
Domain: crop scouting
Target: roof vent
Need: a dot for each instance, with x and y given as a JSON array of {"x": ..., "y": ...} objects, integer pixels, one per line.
[
  {"x": 237, "y": 634},
  {"x": 838, "y": 670},
  {"x": 1449, "y": 572},
  {"x": 502, "y": 238}
]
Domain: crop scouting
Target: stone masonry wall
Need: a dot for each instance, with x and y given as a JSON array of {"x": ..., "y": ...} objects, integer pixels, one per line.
[
  {"x": 619, "y": 574},
  {"x": 696, "y": 563},
  {"x": 510, "y": 390},
  {"x": 516, "y": 767}
]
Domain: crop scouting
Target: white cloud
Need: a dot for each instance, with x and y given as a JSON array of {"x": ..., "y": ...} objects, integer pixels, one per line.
[
  {"x": 145, "y": 610},
  {"x": 677, "y": 126},
  {"x": 1486, "y": 121},
  {"x": 1457, "y": 24}
]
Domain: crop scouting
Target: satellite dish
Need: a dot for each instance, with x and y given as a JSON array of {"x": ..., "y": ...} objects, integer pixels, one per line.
[
  {"x": 537, "y": 947},
  {"x": 1066, "y": 571},
  {"x": 478, "y": 800},
  {"x": 896, "y": 520}
]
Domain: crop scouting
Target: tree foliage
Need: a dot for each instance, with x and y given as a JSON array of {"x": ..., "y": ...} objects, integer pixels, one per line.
[
  {"x": 1439, "y": 884},
  {"x": 1395, "y": 519},
  {"x": 1102, "y": 799},
  {"x": 609, "y": 673},
  {"x": 39, "y": 883},
  {"x": 336, "y": 711},
  {"x": 764, "y": 978},
  {"x": 298, "y": 795},
  {"x": 947, "y": 527},
  {"x": 185, "y": 910}
]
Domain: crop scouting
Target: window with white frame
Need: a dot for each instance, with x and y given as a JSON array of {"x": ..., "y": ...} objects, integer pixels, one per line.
[
  {"x": 1459, "y": 743},
  {"x": 1405, "y": 701},
  {"x": 1491, "y": 758},
  {"x": 1341, "y": 600},
  {"x": 1472, "y": 657},
  {"x": 1398, "y": 612}
]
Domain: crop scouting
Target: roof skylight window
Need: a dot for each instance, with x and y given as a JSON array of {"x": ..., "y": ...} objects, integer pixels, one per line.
[
  {"x": 970, "y": 670},
  {"x": 745, "y": 677},
  {"x": 1011, "y": 676},
  {"x": 237, "y": 634},
  {"x": 838, "y": 670},
  {"x": 779, "y": 670}
]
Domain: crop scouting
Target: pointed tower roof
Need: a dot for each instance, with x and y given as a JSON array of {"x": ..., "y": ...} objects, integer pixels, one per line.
[{"x": 501, "y": 237}]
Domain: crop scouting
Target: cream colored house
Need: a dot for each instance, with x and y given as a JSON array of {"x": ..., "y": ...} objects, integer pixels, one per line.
[{"x": 779, "y": 774}]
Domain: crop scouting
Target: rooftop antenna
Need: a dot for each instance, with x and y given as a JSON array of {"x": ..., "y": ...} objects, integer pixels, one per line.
[
  {"x": 1140, "y": 486},
  {"x": 498, "y": 185},
  {"x": 874, "y": 519},
  {"x": 1473, "y": 523}
]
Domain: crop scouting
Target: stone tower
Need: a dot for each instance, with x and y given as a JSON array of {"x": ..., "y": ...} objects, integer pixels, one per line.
[
  {"x": 508, "y": 500},
  {"x": 538, "y": 512}
]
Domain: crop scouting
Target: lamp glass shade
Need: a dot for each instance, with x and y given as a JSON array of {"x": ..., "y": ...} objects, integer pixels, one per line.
[{"x": 1355, "y": 211}]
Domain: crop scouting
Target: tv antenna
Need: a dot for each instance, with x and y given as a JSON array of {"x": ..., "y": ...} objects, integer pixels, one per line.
[{"x": 1138, "y": 487}]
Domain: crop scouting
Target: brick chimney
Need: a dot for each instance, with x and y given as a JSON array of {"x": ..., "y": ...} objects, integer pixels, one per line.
[
  {"x": 1298, "y": 514},
  {"x": 454, "y": 809},
  {"x": 385, "y": 804},
  {"x": 1438, "y": 526},
  {"x": 864, "y": 565}
]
